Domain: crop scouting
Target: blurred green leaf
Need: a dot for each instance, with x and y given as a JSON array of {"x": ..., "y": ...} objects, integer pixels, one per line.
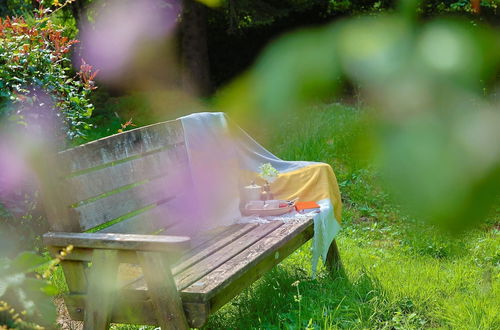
[
  {"x": 374, "y": 48},
  {"x": 435, "y": 136},
  {"x": 24, "y": 262},
  {"x": 36, "y": 301},
  {"x": 295, "y": 70},
  {"x": 211, "y": 3}
]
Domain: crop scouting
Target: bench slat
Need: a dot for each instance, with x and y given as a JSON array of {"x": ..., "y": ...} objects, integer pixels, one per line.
[
  {"x": 215, "y": 281},
  {"x": 118, "y": 241},
  {"x": 211, "y": 246},
  {"x": 145, "y": 223},
  {"x": 122, "y": 146},
  {"x": 200, "y": 245},
  {"x": 106, "y": 179},
  {"x": 114, "y": 206},
  {"x": 216, "y": 254},
  {"x": 204, "y": 239},
  {"x": 224, "y": 292},
  {"x": 205, "y": 266}
]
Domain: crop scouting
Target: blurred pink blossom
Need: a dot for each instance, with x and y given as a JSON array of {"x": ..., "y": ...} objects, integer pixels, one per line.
[
  {"x": 121, "y": 29},
  {"x": 39, "y": 128},
  {"x": 13, "y": 168}
]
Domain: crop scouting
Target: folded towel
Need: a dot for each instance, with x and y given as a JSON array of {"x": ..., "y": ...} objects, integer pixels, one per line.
[{"x": 306, "y": 206}]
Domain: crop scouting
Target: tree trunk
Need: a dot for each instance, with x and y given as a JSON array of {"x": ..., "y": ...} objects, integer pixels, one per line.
[
  {"x": 78, "y": 11},
  {"x": 194, "y": 48}
]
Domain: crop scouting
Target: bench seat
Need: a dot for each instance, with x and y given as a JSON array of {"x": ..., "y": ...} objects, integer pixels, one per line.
[{"x": 218, "y": 266}]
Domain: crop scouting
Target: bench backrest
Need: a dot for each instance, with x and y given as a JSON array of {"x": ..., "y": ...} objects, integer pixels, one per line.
[{"x": 124, "y": 181}]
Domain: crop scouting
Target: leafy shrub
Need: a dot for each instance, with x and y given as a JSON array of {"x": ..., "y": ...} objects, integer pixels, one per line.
[
  {"x": 41, "y": 94},
  {"x": 36, "y": 78},
  {"x": 22, "y": 217},
  {"x": 15, "y": 7}
]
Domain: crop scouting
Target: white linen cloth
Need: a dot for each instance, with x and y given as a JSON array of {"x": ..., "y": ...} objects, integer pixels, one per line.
[{"x": 218, "y": 151}]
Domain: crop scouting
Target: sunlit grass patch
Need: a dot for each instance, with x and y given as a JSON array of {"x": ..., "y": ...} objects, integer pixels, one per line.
[{"x": 399, "y": 274}]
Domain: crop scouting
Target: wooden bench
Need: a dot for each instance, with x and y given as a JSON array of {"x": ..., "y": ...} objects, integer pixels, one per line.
[{"x": 136, "y": 265}]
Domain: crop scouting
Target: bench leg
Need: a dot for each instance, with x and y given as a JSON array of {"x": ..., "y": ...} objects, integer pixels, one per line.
[
  {"x": 101, "y": 289},
  {"x": 333, "y": 263},
  {"x": 163, "y": 291}
]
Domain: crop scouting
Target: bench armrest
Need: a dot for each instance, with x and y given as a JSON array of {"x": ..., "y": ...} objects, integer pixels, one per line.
[{"x": 118, "y": 241}]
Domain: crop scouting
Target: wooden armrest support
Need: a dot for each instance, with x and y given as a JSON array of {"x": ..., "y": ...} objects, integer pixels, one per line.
[{"x": 118, "y": 241}]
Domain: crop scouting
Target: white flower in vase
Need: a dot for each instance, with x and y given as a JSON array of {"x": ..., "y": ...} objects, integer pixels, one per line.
[{"x": 268, "y": 172}]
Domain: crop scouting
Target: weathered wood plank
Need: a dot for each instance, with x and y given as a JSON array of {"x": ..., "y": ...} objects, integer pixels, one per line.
[
  {"x": 201, "y": 240},
  {"x": 75, "y": 276},
  {"x": 219, "y": 257},
  {"x": 85, "y": 254},
  {"x": 113, "y": 206},
  {"x": 129, "y": 242},
  {"x": 145, "y": 223},
  {"x": 136, "y": 307},
  {"x": 235, "y": 242},
  {"x": 121, "y": 146},
  {"x": 102, "y": 290},
  {"x": 106, "y": 179},
  {"x": 201, "y": 246},
  {"x": 235, "y": 267},
  {"x": 167, "y": 304},
  {"x": 236, "y": 285},
  {"x": 211, "y": 246},
  {"x": 333, "y": 262}
]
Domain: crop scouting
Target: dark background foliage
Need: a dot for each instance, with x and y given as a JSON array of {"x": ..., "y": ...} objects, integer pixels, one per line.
[
  {"x": 226, "y": 41},
  {"x": 237, "y": 31}
]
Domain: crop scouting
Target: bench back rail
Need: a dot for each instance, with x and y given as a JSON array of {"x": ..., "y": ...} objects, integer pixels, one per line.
[{"x": 122, "y": 183}]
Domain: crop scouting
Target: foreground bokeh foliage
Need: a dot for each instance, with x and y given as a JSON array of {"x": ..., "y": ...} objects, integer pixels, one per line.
[
  {"x": 431, "y": 94},
  {"x": 25, "y": 299},
  {"x": 43, "y": 100},
  {"x": 424, "y": 129}
]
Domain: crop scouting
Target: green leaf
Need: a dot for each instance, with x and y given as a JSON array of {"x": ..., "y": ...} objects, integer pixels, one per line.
[
  {"x": 50, "y": 290},
  {"x": 26, "y": 261},
  {"x": 34, "y": 297},
  {"x": 75, "y": 100}
]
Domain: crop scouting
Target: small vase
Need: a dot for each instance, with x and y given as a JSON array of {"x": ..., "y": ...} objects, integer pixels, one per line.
[
  {"x": 251, "y": 193},
  {"x": 266, "y": 193}
]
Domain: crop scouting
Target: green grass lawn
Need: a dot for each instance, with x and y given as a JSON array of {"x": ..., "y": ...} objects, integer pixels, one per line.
[{"x": 398, "y": 273}]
